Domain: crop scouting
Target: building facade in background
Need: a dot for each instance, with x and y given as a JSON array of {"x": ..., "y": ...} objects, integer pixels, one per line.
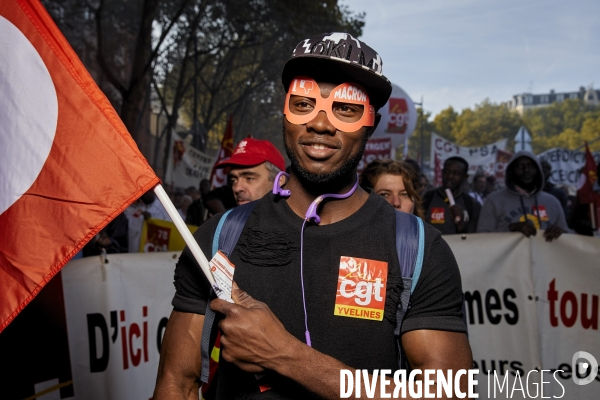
[{"x": 527, "y": 101}]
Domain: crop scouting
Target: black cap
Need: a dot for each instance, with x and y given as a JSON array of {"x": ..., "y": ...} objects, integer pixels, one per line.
[{"x": 342, "y": 55}]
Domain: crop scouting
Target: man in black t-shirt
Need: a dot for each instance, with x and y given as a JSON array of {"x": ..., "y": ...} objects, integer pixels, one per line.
[
  {"x": 449, "y": 219},
  {"x": 290, "y": 268}
]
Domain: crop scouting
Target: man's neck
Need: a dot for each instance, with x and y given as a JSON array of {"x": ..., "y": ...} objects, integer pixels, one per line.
[
  {"x": 455, "y": 193},
  {"x": 330, "y": 210},
  {"x": 528, "y": 187},
  {"x": 525, "y": 191}
]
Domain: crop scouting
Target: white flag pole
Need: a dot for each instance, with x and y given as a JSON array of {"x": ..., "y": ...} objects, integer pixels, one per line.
[{"x": 185, "y": 232}]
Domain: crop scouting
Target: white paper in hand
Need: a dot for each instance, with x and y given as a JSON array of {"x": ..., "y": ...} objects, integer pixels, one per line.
[
  {"x": 450, "y": 197},
  {"x": 222, "y": 270}
]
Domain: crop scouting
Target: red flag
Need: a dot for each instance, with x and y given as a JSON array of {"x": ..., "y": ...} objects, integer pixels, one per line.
[
  {"x": 218, "y": 177},
  {"x": 585, "y": 191},
  {"x": 68, "y": 166}
]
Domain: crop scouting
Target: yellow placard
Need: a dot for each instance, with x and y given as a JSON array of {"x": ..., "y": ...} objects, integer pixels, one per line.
[{"x": 160, "y": 235}]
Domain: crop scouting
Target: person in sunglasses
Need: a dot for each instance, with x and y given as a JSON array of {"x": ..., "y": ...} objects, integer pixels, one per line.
[{"x": 317, "y": 278}]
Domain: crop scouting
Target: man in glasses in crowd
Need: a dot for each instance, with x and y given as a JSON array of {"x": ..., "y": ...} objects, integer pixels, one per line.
[{"x": 300, "y": 262}]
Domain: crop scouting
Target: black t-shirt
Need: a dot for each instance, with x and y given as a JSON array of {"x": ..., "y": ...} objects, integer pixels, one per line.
[
  {"x": 267, "y": 260},
  {"x": 437, "y": 212}
]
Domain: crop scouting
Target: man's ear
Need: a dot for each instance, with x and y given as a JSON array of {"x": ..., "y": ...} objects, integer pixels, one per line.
[{"x": 371, "y": 129}]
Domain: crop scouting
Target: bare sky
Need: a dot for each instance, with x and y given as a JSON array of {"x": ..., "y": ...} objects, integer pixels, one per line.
[{"x": 459, "y": 52}]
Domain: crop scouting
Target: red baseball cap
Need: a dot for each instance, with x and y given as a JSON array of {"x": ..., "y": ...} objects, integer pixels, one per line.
[{"x": 250, "y": 152}]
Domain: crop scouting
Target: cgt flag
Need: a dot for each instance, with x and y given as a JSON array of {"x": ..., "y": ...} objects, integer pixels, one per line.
[{"x": 67, "y": 163}]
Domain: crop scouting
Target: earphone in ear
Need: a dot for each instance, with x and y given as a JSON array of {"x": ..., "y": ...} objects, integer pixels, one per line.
[{"x": 277, "y": 188}]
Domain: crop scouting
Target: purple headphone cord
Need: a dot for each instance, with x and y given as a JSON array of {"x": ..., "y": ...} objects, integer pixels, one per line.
[
  {"x": 306, "y": 333},
  {"x": 311, "y": 214}
]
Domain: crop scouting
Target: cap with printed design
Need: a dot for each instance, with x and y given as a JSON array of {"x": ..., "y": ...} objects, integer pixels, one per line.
[
  {"x": 250, "y": 152},
  {"x": 341, "y": 55}
]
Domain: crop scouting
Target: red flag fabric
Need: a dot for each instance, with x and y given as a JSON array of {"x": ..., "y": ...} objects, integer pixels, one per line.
[
  {"x": 585, "y": 191},
  {"x": 218, "y": 177},
  {"x": 68, "y": 166}
]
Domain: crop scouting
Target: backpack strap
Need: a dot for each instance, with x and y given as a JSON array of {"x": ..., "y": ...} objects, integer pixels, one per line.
[
  {"x": 226, "y": 236},
  {"x": 410, "y": 246}
]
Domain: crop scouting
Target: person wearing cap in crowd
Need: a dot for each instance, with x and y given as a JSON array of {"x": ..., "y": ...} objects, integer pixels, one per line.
[
  {"x": 253, "y": 167},
  {"x": 449, "y": 219},
  {"x": 523, "y": 206},
  {"x": 282, "y": 325}
]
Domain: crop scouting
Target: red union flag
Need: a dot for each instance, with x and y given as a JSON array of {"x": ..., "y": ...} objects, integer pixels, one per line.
[
  {"x": 67, "y": 163},
  {"x": 218, "y": 177}
]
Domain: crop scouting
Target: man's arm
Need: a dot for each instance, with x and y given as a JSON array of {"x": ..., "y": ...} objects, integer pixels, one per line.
[
  {"x": 430, "y": 349},
  {"x": 254, "y": 339},
  {"x": 180, "y": 362}
]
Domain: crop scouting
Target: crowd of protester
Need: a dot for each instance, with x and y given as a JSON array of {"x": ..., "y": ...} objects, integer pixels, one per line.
[{"x": 526, "y": 202}]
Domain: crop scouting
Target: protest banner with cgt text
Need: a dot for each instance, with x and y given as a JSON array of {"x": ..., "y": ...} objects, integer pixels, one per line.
[
  {"x": 529, "y": 317},
  {"x": 483, "y": 157}
]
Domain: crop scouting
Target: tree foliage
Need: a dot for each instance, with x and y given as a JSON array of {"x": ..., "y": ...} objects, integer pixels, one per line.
[
  {"x": 565, "y": 124},
  {"x": 419, "y": 143},
  {"x": 568, "y": 124},
  {"x": 201, "y": 60}
]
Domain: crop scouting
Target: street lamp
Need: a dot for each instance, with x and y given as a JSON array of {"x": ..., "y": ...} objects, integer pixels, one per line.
[{"x": 422, "y": 132}]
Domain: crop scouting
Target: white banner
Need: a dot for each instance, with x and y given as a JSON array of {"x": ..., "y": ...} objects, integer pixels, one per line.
[
  {"x": 567, "y": 284},
  {"x": 116, "y": 315},
  {"x": 566, "y": 164},
  {"x": 530, "y": 307},
  {"x": 499, "y": 303},
  {"x": 483, "y": 157},
  {"x": 187, "y": 166}
]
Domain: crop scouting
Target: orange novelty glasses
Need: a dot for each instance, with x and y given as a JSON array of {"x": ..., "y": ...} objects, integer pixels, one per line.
[{"x": 347, "y": 107}]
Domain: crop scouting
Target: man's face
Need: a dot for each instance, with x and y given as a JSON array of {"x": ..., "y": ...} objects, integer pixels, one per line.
[
  {"x": 453, "y": 175},
  {"x": 250, "y": 183},
  {"x": 479, "y": 184},
  {"x": 525, "y": 171},
  {"x": 317, "y": 150}
]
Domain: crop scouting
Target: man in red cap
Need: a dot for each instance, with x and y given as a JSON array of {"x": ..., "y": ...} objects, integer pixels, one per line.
[{"x": 254, "y": 166}]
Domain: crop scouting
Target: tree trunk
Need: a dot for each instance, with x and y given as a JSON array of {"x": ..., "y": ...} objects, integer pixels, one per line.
[{"x": 139, "y": 85}]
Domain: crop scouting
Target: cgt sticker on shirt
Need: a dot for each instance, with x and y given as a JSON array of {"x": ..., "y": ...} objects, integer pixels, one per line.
[
  {"x": 437, "y": 215},
  {"x": 361, "y": 288},
  {"x": 542, "y": 212}
]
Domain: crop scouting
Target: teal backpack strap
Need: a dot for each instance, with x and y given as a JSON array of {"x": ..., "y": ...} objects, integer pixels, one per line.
[
  {"x": 420, "y": 255},
  {"x": 215, "y": 243},
  {"x": 410, "y": 246},
  {"x": 228, "y": 232}
]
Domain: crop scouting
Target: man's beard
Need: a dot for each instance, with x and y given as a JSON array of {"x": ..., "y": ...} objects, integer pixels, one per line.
[{"x": 326, "y": 181}]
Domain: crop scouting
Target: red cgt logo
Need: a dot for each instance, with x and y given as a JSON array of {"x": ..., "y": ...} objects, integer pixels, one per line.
[
  {"x": 398, "y": 116},
  {"x": 437, "y": 215}
]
